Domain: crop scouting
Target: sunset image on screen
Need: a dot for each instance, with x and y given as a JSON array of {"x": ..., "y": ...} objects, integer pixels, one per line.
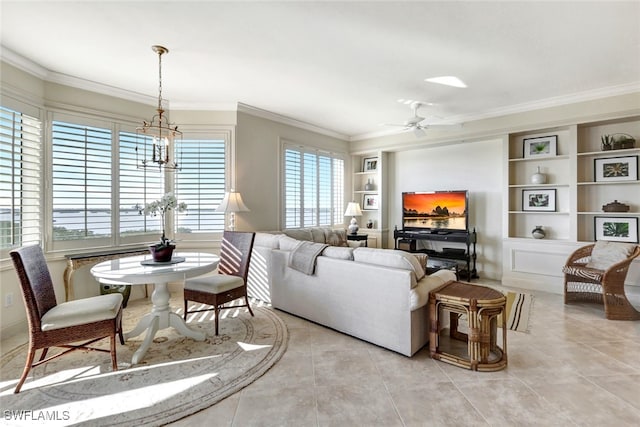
[{"x": 426, "y": 203}]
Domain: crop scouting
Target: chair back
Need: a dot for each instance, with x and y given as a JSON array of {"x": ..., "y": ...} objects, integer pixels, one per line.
[
  {"x": 35, "y": 282},
  {"x": 235, "y": 253}
]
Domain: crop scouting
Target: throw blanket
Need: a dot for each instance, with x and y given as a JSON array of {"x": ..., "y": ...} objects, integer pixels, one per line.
[{"x": 303, "y": 257}]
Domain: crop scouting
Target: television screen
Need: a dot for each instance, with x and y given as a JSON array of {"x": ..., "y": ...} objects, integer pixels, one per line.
[{"x": 435, "y": 210}]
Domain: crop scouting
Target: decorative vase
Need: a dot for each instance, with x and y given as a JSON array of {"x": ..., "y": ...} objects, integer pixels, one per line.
[
  {"x": 369, "y": 186},
  {"x": 161, "y": 254},
  {"x": 370, "y": 224},
  {"x": 538, "y": 232},
  {"x": 538, "y": 177}
]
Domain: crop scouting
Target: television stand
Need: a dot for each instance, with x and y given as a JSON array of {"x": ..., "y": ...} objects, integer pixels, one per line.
[{"x": 406, "y": 240}]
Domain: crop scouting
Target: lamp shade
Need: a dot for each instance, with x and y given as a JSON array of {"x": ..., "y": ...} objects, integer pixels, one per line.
[
  {"x": 232, "y": 202},
  {"x": 353, "y": 209}
]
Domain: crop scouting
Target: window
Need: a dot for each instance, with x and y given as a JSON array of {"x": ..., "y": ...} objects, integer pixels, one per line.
[
  {"x": 201, "y": 185},
  {"x": 81, "y": 181},
  {"x": 20, "y": 177},
  {"x": 138, "y": 186},
  {"x": 313, "y": 187}
]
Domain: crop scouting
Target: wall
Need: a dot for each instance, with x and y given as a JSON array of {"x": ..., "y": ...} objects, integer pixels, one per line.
[
  {"x": 258, "y": 152},
  {"x": 474, "y": 166}
]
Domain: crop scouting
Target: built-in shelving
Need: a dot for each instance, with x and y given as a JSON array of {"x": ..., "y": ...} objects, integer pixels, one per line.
[{"x": 378, "y": 234}]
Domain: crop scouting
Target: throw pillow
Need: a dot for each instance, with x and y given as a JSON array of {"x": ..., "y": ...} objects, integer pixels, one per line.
[
  {"x": 338, "y": 253},
  {"x": 605, "y": 254},
  {"x": 288, "y": 243},
  {"x": 422, "y": 260},
  {"x": 300, "y": 234},
  {"x": 337, "y": 237}
]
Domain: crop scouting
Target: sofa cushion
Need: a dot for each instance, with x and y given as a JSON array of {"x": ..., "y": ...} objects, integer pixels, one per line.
[
  {"x": 389, "y": 258},
  {"x": 422, "y": 260},
  {"x": 338, "y": 252},
  {"x": 605, "y": 254},
  {"x": 288, "y": 243}
]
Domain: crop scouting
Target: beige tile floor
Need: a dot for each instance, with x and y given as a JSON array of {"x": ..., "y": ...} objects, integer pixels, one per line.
[{"x": 574, "y": 368}]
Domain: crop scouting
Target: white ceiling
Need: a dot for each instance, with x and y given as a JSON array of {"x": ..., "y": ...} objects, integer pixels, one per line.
[{"x": 338, "y": 65}]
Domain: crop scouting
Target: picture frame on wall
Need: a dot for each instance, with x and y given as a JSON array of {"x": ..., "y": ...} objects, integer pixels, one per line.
[
  {"x": 616, "y": 229},
  {"x": 542, "y": 146},
  {"x": 370, "y": 164},
  {"x": 370, "y": 202},
  {"x": 608, "y": 169},
  {"x": 539, "y": 200}
]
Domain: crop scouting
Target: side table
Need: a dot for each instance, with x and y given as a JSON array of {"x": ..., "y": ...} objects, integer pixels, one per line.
[
  {"x": 482, "y": 306},
  {"x": 359, "y": 237}
]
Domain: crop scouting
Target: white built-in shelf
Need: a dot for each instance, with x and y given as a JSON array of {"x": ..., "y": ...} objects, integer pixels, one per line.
[
  {"x": 537, "y": 185},
  {"x": 539, "y": 212},
  {"x": 609, "y": 153},
  {"x": 607, "y": 182},
  {"x": 366, "y": 173},
  {"x": 366, "y": 191},
  {"x": 539, "y": 159},
  {"x": 608, "y": 213}
]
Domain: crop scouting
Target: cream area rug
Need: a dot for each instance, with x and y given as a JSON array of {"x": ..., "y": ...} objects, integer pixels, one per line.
[
  {"x": 177, "y": 377},
  {"x": 519, "y": 308}
]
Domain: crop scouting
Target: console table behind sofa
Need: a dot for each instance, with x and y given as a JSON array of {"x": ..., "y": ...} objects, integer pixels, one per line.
[{"x": 75, "y": 261}]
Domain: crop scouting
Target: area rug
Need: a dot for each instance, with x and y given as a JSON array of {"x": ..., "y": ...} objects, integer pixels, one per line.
[
  {"x": 518, "y": 311},
  {"x": 177, "y": 377}
]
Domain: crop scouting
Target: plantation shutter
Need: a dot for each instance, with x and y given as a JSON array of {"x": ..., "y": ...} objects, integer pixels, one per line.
[
  {"x": 81, "y": 181},
  {"x": 138, "y": 186},
  {"x": 20, "y": 177},
  {"x": 313, "y": 188},
  {"x": 201, "y": 185}
]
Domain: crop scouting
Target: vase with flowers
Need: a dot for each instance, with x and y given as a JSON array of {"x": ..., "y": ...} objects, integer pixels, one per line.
[{"x": 163, "y": 251}]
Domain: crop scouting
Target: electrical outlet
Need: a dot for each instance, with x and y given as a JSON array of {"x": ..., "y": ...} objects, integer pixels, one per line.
[{"x": 8, "y": 300}]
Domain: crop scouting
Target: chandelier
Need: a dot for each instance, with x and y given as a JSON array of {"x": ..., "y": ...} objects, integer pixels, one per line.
[{"x": 163, "y": 135}]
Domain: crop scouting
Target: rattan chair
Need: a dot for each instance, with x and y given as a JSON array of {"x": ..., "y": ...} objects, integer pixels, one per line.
[
  {"x": 231, "y": 281},
  {"x": 582, "y": 283},
  {"x": 65, "y": 324}
]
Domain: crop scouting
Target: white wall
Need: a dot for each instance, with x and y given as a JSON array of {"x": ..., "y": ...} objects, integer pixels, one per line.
[{"x": 473, "y": 166}]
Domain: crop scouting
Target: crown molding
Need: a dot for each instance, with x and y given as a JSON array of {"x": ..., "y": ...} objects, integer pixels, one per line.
[
  {"x": 259, "y": 112},
  {"x": 526, "y": 107},
  {"x": 16, "y": 60}
]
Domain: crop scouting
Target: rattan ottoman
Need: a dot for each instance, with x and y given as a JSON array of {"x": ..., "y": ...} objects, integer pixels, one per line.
[{"x": 481, "y": 306}]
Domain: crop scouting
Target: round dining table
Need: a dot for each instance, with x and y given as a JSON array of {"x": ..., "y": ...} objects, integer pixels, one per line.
[{"x": 142, "y": 270}]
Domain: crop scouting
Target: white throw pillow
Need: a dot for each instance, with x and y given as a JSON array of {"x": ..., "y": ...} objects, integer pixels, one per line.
[
  {"x": 288, "y": 243},
  {"x": 389, "y": 258},
  {"x": 338, "y": 252},
  {"x": 267, "y": 240},
  {"x": 605, "y": 254}
]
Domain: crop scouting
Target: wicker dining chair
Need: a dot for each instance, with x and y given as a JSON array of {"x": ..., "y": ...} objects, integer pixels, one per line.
[
  {"x": 231, "y": 281},
  {"x": 53, "y": 324},
  {"x": 584, "y": 282}
]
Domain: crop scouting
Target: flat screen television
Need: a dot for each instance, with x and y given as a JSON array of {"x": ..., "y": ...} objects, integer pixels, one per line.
[{"x": 435, "y": 211}]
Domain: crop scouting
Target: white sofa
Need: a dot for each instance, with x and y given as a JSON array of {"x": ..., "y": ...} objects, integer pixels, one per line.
[{"x": 378, "y": 295}]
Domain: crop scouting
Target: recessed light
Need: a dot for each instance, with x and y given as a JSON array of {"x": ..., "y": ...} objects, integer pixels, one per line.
[{"x": 447, "y": 80}]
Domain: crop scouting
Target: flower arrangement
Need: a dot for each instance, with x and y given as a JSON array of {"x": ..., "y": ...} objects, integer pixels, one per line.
[{"x": 161, "y": 207}]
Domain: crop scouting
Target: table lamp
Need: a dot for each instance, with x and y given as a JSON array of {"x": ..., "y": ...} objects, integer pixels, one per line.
[
  {"x": 353, "y": 210},
  {"x": 231, "y": 204}
]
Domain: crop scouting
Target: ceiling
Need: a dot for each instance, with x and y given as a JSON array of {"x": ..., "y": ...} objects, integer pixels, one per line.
[{"x": 341, "y": 66}]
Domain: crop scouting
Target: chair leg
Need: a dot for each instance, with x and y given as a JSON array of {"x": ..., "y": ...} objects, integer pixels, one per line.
[
  {"x": 44, "y": 353},
  {"x": 114, "y": 360},
  {"x": 185, "y": 310},
  {"x": 217, "y": 317},
  {"x": 246, "y": 300},
  {"x": 27, "y": 368}
]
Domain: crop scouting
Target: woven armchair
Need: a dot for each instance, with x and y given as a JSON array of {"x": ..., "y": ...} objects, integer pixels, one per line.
[
  {"x": 66, "y": 324},
  {"x": 582, "y": 283}
]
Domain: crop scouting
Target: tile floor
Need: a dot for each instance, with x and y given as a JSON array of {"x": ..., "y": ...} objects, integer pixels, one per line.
[{"x": 574, "y": 368}]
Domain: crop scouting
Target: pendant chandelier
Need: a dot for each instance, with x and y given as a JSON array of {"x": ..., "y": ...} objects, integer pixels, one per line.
[{"x": 163, "y": 135}]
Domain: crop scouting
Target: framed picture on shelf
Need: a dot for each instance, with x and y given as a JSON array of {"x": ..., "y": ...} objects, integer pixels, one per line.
[
  {"x": 542, "y": 146},
  {"x": 370, "y": 164},
  {"x": 616, "y": 169},
  {"x": 370, "y": 202},
  {"x": 616, "y": 229},
  {"x": 539, "y": 200}
]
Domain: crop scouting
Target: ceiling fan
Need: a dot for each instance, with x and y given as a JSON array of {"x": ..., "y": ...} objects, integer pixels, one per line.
[{"x": 417, "y": 122}]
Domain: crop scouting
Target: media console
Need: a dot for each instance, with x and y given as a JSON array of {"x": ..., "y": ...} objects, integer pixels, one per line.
[{"x": 406, "y": 240}]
